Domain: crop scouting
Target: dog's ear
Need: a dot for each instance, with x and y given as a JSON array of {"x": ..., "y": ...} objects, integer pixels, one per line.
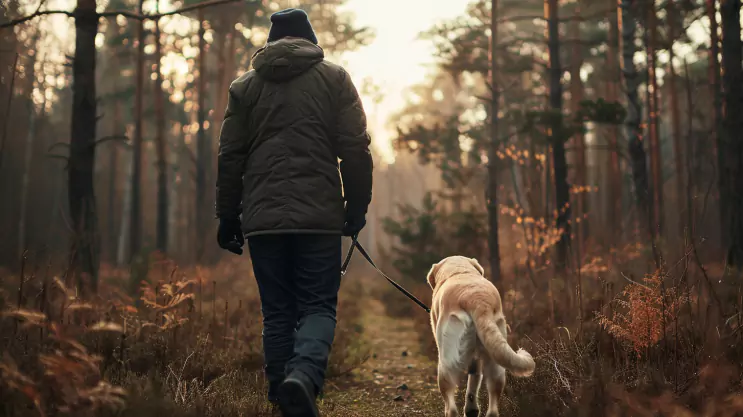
[
  {"x": 431, "y": 277},
  {"x": 477, "y": 266}
]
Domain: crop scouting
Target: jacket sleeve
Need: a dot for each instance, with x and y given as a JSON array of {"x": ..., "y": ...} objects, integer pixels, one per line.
[
  {"x": 353, "y": 141},
  {"x": 233, "y": 153}
]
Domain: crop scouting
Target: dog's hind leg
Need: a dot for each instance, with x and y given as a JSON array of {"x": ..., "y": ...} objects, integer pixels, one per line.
[
  {"x": 495, "y": 378},
  {"x": 474, "y": 379},
  {"x": 448, "y": 388},
  {"x": 456, "y": 340}
]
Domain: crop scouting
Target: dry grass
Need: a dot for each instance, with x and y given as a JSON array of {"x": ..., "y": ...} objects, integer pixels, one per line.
[
  {"x": 667, "y": 344},
  {"x": 185, "y": 342},
  {"x": 165, "y": 341}
]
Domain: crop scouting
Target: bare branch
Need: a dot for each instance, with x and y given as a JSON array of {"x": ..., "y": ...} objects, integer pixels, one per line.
[
  {"x": 34, "y": 15},
  {"x": 57, "y": 144},
  {"x": 124, "y": 13},
  {"x": 117, "y": 138},
  {"x": 137, "y": 16}
]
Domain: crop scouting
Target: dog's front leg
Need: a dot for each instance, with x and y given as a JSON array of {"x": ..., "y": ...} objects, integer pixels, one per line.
[
  {"x": 448, "y": 388},
  {"x": 474, "y": 379}
]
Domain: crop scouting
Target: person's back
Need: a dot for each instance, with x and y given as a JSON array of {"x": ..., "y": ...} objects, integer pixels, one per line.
[{"x": 288, "y": 122}]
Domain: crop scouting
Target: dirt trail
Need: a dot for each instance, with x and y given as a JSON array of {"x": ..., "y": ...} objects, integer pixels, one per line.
[{"x": 398, "y": 379}]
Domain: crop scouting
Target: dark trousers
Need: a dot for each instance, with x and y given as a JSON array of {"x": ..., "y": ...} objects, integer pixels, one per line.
[{"x": 298, "y": 279}]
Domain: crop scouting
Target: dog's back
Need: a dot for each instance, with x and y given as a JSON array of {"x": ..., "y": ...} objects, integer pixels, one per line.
[
  {"x": 468, "y": 321},
  {"x": 470, "y": 330}
]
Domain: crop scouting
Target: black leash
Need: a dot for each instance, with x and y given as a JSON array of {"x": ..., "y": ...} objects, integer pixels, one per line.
[{"x": 355, "y": 244}]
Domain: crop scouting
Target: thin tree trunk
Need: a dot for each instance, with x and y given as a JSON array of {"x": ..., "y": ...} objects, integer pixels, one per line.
[
  {"x": 634, "y": 113},
  {"x": 731, "y": 170},
  {"x": 162, "y": 163},
  {"x": 715, "y": 78},
  {"x": 714, "y": 73},
  {"x": 84, "y": 256},
  {"x": 135, "y": 225},
  {"x": 203, "y": 146},
  {"x": 614, "y": 186},
  {"x": 8, "y": 108},
  {"x": 656, "y": 166},
  {"x": 576, "y": 96},
  {"x": 222, "y": 83},
  {"x": 492, "y": 190},
  {"x": 126, "y": 215},
  {"x": 675, "y": 113},
  {"x": 557, "y": 140},
  {"x": 30, "y": 138},
  {"x": 113, "y": 176}
]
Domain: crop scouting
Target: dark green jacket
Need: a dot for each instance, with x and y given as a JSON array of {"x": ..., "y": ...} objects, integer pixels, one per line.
[{"x": 288, "y": 122}]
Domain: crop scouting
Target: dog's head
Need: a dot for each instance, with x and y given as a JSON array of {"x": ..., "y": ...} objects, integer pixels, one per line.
[{"x": 452, "y": 263}]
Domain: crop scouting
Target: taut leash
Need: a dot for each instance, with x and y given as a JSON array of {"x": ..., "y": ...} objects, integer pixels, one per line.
[{"x": 354, "y": 245}]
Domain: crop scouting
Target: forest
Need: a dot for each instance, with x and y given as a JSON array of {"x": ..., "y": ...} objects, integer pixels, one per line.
[{"x": 589, "y": 153}]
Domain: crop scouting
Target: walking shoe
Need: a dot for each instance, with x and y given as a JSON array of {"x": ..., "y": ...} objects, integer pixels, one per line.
[{"x": 296, "y": 397}]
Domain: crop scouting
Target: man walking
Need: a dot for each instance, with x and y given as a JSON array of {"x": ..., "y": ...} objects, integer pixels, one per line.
[{"x": 288, "y": 122}]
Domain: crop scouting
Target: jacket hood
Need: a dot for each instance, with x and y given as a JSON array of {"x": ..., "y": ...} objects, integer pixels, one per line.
[{"x": 286, "y": 58}]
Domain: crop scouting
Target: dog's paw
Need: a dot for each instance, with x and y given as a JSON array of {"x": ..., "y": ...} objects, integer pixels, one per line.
[
  {"x": 471, "y": 408},
  {"x": 472, "y": 412}
]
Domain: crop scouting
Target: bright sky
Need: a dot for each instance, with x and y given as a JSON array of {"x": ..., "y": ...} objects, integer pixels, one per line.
[{"x": 396, "y": 59}]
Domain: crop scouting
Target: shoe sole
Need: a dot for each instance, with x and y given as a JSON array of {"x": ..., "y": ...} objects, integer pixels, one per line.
[{"x": 296, "y": 401}]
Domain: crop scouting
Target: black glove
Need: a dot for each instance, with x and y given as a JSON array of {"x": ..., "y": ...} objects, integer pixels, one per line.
[
  {"x": 230, "y": 235},
  {"x": 354, "y": 223}
]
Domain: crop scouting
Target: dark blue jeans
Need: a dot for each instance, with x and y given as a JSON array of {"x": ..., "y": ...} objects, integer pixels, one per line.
[{"x": 298, "y": 278}]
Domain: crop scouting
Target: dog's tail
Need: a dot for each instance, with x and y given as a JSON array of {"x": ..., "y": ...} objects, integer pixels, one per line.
[{"x": 492, "y": 335}]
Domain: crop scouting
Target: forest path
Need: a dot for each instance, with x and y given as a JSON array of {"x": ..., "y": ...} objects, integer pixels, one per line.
[{"x": 398, "y": 379}]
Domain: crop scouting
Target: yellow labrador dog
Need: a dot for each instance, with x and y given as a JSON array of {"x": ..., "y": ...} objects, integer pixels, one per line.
[{"x": 470, "y": 331}]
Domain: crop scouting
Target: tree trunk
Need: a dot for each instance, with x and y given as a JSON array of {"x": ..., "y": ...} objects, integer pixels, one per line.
[
  {"x": 675, "y": 115},
  {"x": 731, "y": 169},
  {"x": 84, "y": 256},
  {"x": 492, "y": 190},
  {"x": 634, "y": 111},
  {"x": 715, "y": 83},
  {"x": 162, "y": 163},
  {"x": 656, "y": 165},
  {"x": 203, "y": 147},
  {"x": 714, "y": 73},
  {"x": 30, "y": 138},
  {"x": 576, "y": 96},
  {"x": 614, "y": 184},
  {"x": 557, "y": 139},
  {"x": 126, "y": 215},
  {"x": 114, "y": 175},
  {"x": 135, "y": 221}
]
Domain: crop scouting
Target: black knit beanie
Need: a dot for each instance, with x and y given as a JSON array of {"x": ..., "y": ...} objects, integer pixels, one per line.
[{"x": 291, "y": 22}]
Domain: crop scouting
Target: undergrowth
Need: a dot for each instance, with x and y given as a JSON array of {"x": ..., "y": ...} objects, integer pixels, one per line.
[
  {"x": 180, "y": 342},
  {"x": 666, "y": 344}
]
